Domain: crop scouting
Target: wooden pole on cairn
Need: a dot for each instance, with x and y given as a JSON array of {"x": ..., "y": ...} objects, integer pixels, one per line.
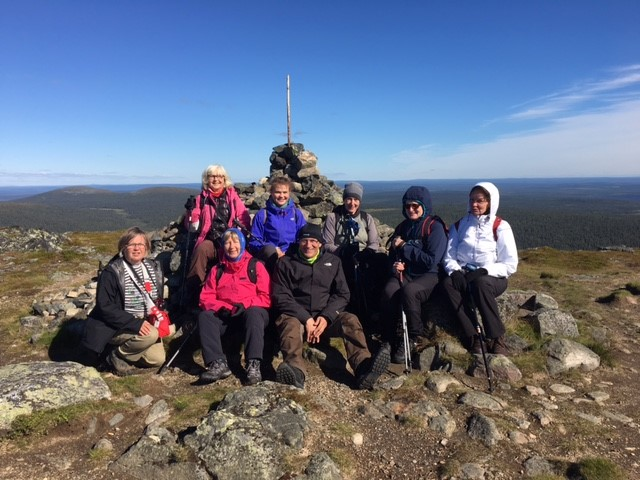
[{"x": 288, "y": 114}]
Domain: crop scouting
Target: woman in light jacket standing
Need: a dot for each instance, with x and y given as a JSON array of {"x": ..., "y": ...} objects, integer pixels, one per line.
[{"x": 481, "y": 255}]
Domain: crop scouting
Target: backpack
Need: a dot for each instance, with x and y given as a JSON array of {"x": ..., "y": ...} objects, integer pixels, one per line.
[
  {"x": 496, "y": 224},
  {"x": 252, "y": 270},
  {"x": 427, "y": 225}
]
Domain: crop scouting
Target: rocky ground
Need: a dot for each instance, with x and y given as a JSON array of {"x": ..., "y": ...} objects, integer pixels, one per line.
[{"x": 561, "y": 419}]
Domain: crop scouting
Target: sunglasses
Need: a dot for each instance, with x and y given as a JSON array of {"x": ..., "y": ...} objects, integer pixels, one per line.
[{"x": 411, "y": 206}]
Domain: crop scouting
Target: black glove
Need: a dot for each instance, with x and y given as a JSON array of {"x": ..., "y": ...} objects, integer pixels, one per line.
[
  {"x": 475, "y": 274},
  {"x": 458, "y": 280},
  {"x": 238, "y": 310},
  {"x": 223, "y": 312},
  {"x": 191, "y": 203}
]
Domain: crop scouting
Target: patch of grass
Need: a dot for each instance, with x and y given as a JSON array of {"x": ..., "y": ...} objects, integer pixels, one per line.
[
  {"x": 132, "y": 384},
  {"x": 42, "y": 422},
  {"x": 195, "y": 405},
  {"x": 527, "y": 332},
  {"x": 605, "y": 354},
  {"x": 100, "y": 455},
  {"x": 413, "y": 421},
  {"x": 531, "y": 362},
  {"x": 597, "y": 469},
  {"x": 103, "y": 242},
  {"x": 549, "y": 275},
  {"x": 343, "y": 459},
  {"x": 633, "y": 287},
  {"x": 343, "y": 429},
  {"x": 614, "y": 296}
]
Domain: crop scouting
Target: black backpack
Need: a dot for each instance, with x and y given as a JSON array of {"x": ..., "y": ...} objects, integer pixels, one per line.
[{"x": 252, "y": 271}]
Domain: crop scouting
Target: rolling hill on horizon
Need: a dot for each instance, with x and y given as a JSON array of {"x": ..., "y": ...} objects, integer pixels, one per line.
[{"x": 568, "y": 214}]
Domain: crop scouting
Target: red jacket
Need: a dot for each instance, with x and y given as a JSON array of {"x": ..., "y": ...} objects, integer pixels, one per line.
[
  {"x": 204, "y": 216},
  {"x": 235, "y": 286}
]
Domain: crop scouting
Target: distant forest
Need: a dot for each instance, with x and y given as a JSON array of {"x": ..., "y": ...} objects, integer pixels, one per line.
[{"x": 566, "y": 216}]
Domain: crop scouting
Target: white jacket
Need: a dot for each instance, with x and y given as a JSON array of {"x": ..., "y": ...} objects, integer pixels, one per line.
[{"x": 473, "y": 242}]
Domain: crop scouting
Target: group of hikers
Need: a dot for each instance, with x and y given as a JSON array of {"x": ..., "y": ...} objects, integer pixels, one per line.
[{"x": 307, "y": 283}]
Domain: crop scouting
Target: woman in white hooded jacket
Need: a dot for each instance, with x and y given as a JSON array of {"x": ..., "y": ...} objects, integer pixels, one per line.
[{"x": 481, "y": 255}]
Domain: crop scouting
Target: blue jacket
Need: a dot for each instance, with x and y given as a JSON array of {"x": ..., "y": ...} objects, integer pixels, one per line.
[{"x": 276, "y": 226}]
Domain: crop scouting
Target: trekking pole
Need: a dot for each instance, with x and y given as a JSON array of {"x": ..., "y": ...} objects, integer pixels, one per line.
[
  {"x": 183, "y": 284},
  {"x": 481, "y": 337},
  {"x": 187, "y": 336},
  {"x": 245, "y": 231},
  {"x": 405, "y": 337}
]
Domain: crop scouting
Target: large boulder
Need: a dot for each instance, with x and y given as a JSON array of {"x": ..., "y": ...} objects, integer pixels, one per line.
[
  {"x": 250, "y": 434},
  {"x": 30, "y": 387},
  {"x": 564, "y": 354}
]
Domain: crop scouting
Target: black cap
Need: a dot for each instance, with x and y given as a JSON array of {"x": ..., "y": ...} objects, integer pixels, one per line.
[{"x": 311, "y": 230}]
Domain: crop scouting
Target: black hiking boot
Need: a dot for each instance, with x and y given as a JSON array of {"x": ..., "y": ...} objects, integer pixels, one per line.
[
  {"x": 290, "y": 375},
  {"x": 416, "y": 345},
  {"x": 217, "y": 370},
  {"x": 370, "y": 370}
]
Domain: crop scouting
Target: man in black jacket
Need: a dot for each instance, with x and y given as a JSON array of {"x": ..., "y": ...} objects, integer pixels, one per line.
[{"x": 310, "y": 294}]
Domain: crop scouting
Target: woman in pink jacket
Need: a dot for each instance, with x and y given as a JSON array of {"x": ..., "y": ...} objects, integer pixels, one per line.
[
  {"x": 235, "y": 296},
  {"x": 217, "y": 208}
]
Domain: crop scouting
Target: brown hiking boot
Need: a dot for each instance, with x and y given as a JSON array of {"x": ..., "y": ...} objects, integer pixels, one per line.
[
  {"x": 474, "y": 346},
  {"x": 499, "y": 347}
]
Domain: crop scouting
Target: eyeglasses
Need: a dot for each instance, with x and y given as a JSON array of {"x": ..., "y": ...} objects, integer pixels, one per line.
[
  {"x": 478, "y": 200},
  {"x": 131, "y": 246},
  {"x": 215, "y": 176},
  {"x": 411, "y": 206}
]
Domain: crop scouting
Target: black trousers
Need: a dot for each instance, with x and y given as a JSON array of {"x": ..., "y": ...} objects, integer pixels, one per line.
[
  {"x": 411, "y": 294},
  {"x": 482, "y": 293},
  {"x": 212, "y": 328}
]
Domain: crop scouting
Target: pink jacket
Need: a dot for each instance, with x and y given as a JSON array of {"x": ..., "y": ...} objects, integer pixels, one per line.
[
  {"x": 235, "y": 286},
  {"x": 204, "y": 216}
]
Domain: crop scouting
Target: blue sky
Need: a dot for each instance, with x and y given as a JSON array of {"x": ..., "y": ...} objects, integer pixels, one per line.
[{"x": 109, "y": 92}]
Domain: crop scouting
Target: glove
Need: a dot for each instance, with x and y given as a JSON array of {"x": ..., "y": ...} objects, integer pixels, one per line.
[
  {"x": 191, "y": 203},
  {"x": 223, "y": 312},
  {"x": 459, "y": 281},
  {"x": 475, "y": 274},
  {"x": 238, "y": 309}
]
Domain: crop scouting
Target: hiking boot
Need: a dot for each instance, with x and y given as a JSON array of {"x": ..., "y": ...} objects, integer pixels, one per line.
[
  {"x": 370, "y": 370},
  {"x": 499, "y": 347},
  {"x": 416, "y": 345},
  {"x": 475, "y": 345},
  {"x": 118, "y": 365},
  {"x": 398, "y": 354},
  {"x": 290, "y": 375},
  {"x": 253, "y": 372},
  {"x": 217, "y": 370}
]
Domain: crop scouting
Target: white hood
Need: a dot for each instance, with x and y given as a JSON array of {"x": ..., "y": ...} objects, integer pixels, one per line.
[{"x": 493, "y": 193}]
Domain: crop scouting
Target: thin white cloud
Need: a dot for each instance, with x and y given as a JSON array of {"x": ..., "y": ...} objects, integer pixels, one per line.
[
  {"x": 605, "y": 142},
  {"x": 44, "y": 177},
  {"x": 581, "y": 94}
]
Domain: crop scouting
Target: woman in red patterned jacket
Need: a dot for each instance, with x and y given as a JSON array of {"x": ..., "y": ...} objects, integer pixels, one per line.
[{"x": 210, "y": 214}]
